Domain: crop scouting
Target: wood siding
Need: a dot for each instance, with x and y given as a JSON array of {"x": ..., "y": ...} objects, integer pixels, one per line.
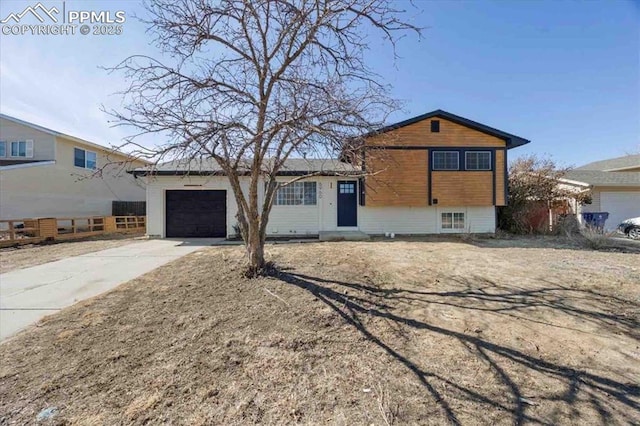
[
  {"x": 451, "y": 134},
  {"x": 399, "y": 178},
  {"x": 401, "y": 175},
  {"x": 500, "y": 178},
  {"x": 462, "y": 188}
]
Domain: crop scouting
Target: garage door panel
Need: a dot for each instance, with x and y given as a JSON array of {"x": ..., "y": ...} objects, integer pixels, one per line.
[
  {"x": 620, "y": 205},
  {"x": 195, "y": 213}
]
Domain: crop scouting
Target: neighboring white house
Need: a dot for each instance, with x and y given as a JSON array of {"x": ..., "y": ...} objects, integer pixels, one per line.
[
  {"x": 615, "y": 187},
  {"x": 44, "y": 173}
]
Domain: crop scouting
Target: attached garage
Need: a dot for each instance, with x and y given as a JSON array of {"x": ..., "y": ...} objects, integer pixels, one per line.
[
  {"x": 195, "y": 213},
  {"x": 620, "y": 205}
]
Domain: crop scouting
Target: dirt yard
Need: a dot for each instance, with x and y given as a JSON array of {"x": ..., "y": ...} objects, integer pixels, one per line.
[
  {"x": 31, "y": 255},
  {"x": 349, "y": 333}
]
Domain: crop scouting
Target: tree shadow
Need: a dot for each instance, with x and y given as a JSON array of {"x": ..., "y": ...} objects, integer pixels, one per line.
[{"x": 598, "y": 391}]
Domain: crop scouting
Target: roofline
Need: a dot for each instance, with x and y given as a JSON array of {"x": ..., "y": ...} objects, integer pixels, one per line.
[
  {"x": 622, "y": 169},
  {"x": 575, "y": 182},
  {"x": 139, "y": 172},
  {"x": 512, "y": 141},
  {"x": 66, "y": 136}
]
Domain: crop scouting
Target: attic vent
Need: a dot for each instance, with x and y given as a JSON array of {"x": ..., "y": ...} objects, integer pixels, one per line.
[{"x": 435, "y": 126}]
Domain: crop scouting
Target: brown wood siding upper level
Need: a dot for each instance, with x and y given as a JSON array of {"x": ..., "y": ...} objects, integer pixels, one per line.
[
  {"x": 399, "y": 178},
  {"x": 500, "y": 178},
  {"x": 402, "y": 174},
  {"x": 455, "y": 189},
  {"x": 451, "y": 134}
]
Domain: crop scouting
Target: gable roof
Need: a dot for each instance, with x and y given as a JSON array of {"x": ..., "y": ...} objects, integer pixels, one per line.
[
  {"x": 292, "y": 167},
  {"x": 613, "y": 164},
  {"x": 602, "y": 178},
  {"x": 512, "y": 141},
  {"x": 64, "y": 135}
]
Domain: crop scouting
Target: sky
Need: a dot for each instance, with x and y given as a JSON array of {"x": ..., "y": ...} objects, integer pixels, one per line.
[{"x": 563, "y": 74}]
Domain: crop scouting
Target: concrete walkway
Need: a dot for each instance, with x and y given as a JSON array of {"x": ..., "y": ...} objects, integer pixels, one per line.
[{"x": 27, "y": 295}]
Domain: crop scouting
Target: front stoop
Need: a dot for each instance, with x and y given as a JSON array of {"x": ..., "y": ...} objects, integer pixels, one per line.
[{"x": 343, "y": 236}]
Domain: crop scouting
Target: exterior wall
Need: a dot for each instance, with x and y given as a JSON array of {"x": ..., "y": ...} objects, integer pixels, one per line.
[
  {"x": 63, "y": 190},
  {"x": 157, "y": 186},
  {"x": 400, "y": 167},
  {"x": 309, "y": 220},
  {"x": 463, "y": 188},
  {"x": 399, "y": 178},
  {"x": 451, "y": 134},
  {"x": 44, "y": 144}
]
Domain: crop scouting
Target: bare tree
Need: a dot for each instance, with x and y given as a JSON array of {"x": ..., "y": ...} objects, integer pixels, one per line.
[
  {"x": 251, "y": 83},
  {"x": 534, "y": 180}
]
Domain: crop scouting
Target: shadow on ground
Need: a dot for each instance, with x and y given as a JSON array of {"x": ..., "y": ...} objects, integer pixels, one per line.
[{"x": 359, "y": 303}]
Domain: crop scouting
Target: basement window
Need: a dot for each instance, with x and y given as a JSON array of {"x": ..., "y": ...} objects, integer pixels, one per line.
[
  {"x": 297, "y": 194},
  {"x": 445, "y": 160},
  {"x": 452, "y": 220}
]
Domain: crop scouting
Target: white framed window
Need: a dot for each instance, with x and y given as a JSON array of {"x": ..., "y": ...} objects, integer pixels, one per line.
[
  {"x": 297, "y": 194},
  {"x": 445, "y": 160},
  {"x": 3, "y": 148},
  {"x": 452, "y": 220},
  {"x": 22, "y": 149},
  {"x": 478, "y": 160},
  {"x": 85, "y": 159}
]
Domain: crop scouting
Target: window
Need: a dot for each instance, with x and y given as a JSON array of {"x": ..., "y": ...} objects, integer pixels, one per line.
[
  {"x": 297, "y": 194},
  {"x": 478, "y": 160},
  {"x": 435, "y": 126},
  {"x": 84, "y": 159},
  {"x": 452, "y": 220},
  {"x": 347, "y": 188},
  {"x": 22, "y": 149},
  {"x": 445, "y": 160},
  {"x": 3, "y": 149}
]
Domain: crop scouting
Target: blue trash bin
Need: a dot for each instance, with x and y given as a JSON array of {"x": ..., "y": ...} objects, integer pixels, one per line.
[{"x": 595, "y": 219}]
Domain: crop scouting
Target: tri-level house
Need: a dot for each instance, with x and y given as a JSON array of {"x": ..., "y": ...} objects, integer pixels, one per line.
[
  {"x": 45, "y": 173},
  {"x": 435, "y": 173}
]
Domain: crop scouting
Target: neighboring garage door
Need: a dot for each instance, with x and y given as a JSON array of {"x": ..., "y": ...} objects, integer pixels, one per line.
[
  {"x": 196, "y": 213},
  {"x": 620, "y": 205}
]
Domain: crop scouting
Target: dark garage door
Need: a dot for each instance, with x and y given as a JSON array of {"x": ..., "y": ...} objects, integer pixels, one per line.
[{"x": 196, "y": 213}]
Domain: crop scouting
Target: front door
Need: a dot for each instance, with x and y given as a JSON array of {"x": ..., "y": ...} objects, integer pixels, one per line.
[{"x": 347, "y": 203}]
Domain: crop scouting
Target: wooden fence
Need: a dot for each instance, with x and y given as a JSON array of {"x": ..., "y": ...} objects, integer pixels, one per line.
[{"x": 31, "y": 231}]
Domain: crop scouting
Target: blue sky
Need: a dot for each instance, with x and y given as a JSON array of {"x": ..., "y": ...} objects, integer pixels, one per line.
[{"x": 564, "y": 74}]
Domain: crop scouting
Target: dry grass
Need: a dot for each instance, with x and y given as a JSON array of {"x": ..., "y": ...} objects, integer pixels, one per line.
[
  {"x": 31, "y": 255},
  {"x": 348, "y": 333}
]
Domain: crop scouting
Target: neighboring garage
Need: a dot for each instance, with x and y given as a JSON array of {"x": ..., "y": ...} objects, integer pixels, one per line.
[
  {"x": 620, "y": 205},
  {"x": 196, "y": 213}
]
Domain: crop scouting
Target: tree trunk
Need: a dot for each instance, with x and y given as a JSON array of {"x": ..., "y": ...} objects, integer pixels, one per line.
[{"x": 255, "y": 248}]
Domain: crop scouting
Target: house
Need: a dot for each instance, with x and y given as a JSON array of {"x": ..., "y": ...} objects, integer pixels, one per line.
[
  {"x": 435, "y": 173},
  {"x": 45, "y": 173},
  {"x": 615, "y": 187}
]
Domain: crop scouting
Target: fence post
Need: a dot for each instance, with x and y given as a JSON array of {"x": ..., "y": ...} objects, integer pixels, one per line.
[
  {"x": 48, "y": 228},
  {"x": 109, "y": 224}
]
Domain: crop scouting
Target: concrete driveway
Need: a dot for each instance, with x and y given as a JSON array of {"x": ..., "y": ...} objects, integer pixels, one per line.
[{"x": 29, "y": 294}]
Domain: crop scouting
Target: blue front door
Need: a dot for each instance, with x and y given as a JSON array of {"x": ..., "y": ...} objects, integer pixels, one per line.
[{"x": 347, "y": 203}]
